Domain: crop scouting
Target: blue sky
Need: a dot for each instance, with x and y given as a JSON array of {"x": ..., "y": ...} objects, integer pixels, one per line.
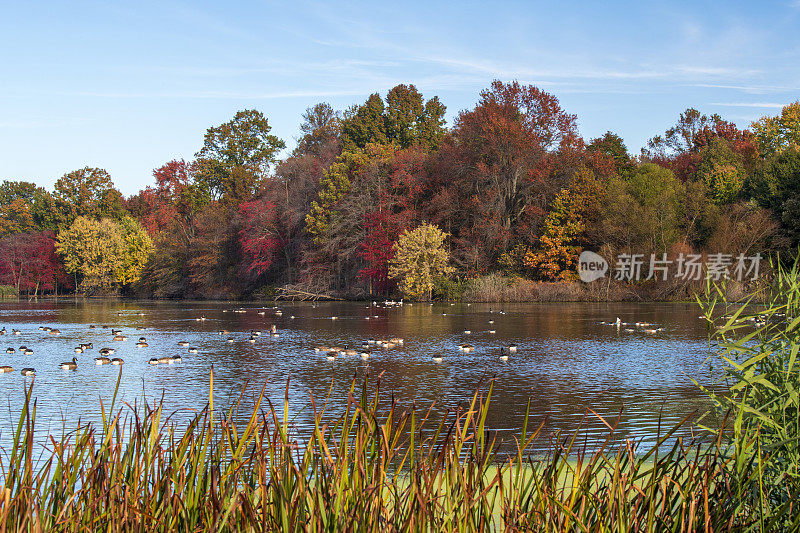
[{"x": 129, "y": 86}]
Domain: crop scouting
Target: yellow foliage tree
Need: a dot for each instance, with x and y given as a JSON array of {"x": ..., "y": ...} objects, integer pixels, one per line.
[
  {"x": 104, "y": 253},
  {"x": 775, "y": 134},
  {"x": 419, "y": 259}
]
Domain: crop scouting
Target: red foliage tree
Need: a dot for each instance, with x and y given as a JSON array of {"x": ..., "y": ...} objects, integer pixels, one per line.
[{"x": 29, "y": 262}]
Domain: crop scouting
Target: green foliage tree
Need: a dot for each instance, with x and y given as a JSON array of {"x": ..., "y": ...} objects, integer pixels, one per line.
[
  {"x": 15, "y": 217},
  {"x": 722, "y": 170},
  {"x": 335, "y": 184},
  {"x": 420, "y": 259},
  {"x": 237, "y": 155},
  {"x": 405, "y": 119},
  {"x": 613, "y": 146},
  {"x": 88, "y": 192},
  {"x": 321, "y": 125},
  {"x": 776, "y": 186},
  {"x": 776, "y": 134},
  {"x": 644, "y": 211}
]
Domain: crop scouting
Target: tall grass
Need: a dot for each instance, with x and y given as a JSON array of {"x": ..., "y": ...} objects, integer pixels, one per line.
[{"x": 757, "y": 347}]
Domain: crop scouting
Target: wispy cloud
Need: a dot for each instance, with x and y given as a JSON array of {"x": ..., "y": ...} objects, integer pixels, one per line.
[{"x": 770, "y": 105}]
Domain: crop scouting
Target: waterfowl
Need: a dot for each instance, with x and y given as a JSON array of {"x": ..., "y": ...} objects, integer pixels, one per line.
[
  {"x": 107, "y": 351},
  {"x": 165, "y": 360},
  {"x": 117, "y": 361},
  {"x": 292, "y": 317},
  {"x": 192, "y": 350},
  {"x": 230, "y": 339},
  {"x": 278, "y": 313},
  {"x": 388, "y": 345},
  {"x": 371, "y": 341},
  {"x": 177, "y": 358},
  {"x": 262, "y": 313},
  {"x": 70, "y": 365},
  {"x": 321, "y": 348},
  {"x": 350, "y": 351},
  {"x": 23, "y": 348},
  {"x": 101, "y": 361},
  {"x": 491, "y": 322},
  {"x": 28, "y": 372},
  {"x": 504, "y": 357},
  {"x": 183, "y": 343},
  {"x": 255, "y": 333},
  {"x": 16, "y": 332},
  {"x": 223, "y": 332},
  {"x": 28, "y": 352},
  {"x": 3, "y": 331},
  {"x": 86, "y": 346},
  {"x": 273, "y": 328},
  {"x": 116, "y": 332},
  {"x": 78, "y": 349},
  {"x": 331, "y": 356},
  {"x": 365, "y": 354},
  {"x": 334, "y": 318},
  {"x": 437, "y": 359},
  {"x": 41, "y": 328},
  {"x": 10, "y": 350},
  {"x": 6, "y": 368},
  {"x": 335, "y": 349},
  {"x": 251, "y": 340},
  {"x": 466, "y": 348},
  {"x": 491, "y": 332},
  {"x": 153, "y": 361},
  {"x": 467, "y": 332},
  {"x": 142, "y": 339},
  {"x": 142, "y": 345},
  {"x": 275, "y": 334},
  {"x": 92, "y": 326},
  {"x": 396, "y": 340}
]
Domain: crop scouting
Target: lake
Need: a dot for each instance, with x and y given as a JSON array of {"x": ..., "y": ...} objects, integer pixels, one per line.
[{"x": 567, "y": 359}]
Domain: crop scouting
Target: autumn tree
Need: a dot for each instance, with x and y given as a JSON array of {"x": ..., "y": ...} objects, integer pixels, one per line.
[
  {"x": 573, "y": 210},
  {"x": 420, "y": 259},
  {"x": 612, "y": 146},
  {"x": 29, "y": 262},
  {"x": 320, "y": 125},
  {"x": 506, "y": 157},
  {"x": 776, "y": 186},
  {"x": 104, "y": 254},
  {"x": 776, "y": 134}
]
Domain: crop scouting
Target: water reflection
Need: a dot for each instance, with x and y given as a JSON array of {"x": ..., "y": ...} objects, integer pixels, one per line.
[{"x": 567, "y": 360}]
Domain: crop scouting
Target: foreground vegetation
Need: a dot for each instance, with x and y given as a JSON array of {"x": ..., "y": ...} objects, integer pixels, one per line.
[{"x": 375, "y": 467}]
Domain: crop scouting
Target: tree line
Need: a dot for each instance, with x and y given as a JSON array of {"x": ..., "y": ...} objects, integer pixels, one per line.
[{"x": 384, "y": 198}]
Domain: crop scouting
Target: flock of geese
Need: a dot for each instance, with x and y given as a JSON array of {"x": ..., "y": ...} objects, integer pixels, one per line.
[{"x": 331, "y": 352}]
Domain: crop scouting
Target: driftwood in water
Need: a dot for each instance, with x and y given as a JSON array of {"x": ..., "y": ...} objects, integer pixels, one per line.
[{"x": 293, "y": 294}]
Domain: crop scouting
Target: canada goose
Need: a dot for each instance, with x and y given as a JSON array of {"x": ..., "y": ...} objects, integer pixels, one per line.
[
  {"x": 86, "y": 346},
  {"x": 223, "y": 332},
  {"x": 192, "y": 350},
  {"x": 41, "y": 328},
  {"x": 511, "y": 348},
  {"x": 278, "y": 313},
  {"x": 230, "y": 339},
  {"x": 142, "y": 339},
  {"x": 504, "y": 357},
  {"x": 165, "y": 360},
  {"x": 3, "y": 331},
  {"x": 321, "y": 348},
  {"x": 6, "y": 368},
  {"x": 23, "y": 348},
  {"x": 365, "y": 354},
  {"x": 10, "y": 350},
  {"x": 331, "y": 356},
  {"x": 70, "y": 365},
  {"x": 371, "y": 341},
  {"x": 142, "y": 345},
  {"x": 28, "y": 372},
  {"x": 153, "y": 361},
  {"x": 183, "y": 343},
  {"x": 255, "y": 333},
  {"x": 275, "y": 334},
  {"x": 467, "y": 332},
  {"x": 107, "y": 351},
  {"x": 466, "y": 348},
  {"x": 92, "y": 326},
  {"x": 177, "y": 358},
  {"x": 117, "y": 361},
  {"x": 251, "y": 340},
  {"x": 350, "y": 351},
  {"x": 292, "y": 317},
  {"x": 120, "y": 338},
  {"x": 78, "y": 349},
  {"x": 437, "y": 359},
  {"x": 491, "y": 322},
  {"x": 28, "y": 352},
  {"x": 491, "y": 332},
  {"x": 16, "y": 332},
  {"x": 101, "y": 361},
  {"x": 396, "y": 340}
]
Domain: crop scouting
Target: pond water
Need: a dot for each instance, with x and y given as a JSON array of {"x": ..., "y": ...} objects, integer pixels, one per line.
[{"x": 567, "y": 359}]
